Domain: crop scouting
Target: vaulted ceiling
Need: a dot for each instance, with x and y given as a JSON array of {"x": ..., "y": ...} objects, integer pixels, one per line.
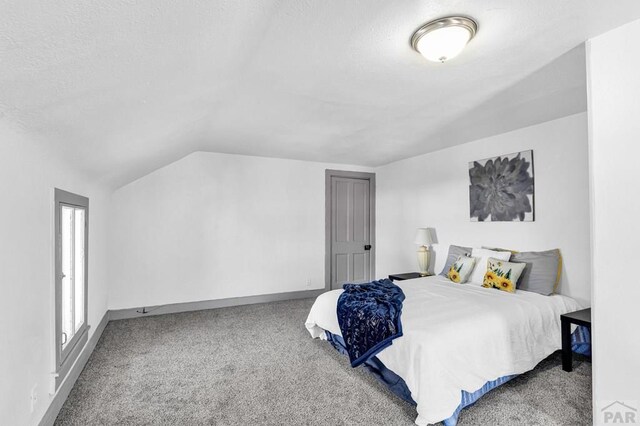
[{"x": 123, "y": 87}]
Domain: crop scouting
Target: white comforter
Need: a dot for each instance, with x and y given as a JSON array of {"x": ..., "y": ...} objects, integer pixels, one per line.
[{"x": 459, "y": 336}]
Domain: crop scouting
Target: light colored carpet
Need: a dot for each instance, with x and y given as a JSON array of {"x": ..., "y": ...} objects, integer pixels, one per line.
[{"x": 258, "y": 365}]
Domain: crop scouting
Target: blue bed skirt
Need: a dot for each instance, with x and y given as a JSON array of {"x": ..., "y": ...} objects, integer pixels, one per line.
[{"x": 580, "y": 343}]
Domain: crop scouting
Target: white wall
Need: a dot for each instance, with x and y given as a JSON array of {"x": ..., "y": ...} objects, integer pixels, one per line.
[
  {"x": 27, "y": 178},
  {"x": 614, "y": 120},
  {"x": 213, "y": 226},
  {"x": 432, "y": 190}
]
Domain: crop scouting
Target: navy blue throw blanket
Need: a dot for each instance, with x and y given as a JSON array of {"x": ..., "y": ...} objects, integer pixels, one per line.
[{"x": 369, "y": 318}]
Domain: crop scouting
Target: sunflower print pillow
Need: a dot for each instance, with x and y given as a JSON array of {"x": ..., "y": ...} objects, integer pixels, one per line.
[
  {"x": 502, "y": 275},
  {"x": 461, "y": 269}
]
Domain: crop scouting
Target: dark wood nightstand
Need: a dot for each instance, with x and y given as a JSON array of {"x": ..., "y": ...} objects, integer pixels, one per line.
[
  {"x": 405, "y": 276},
  {"x": 582, "y": 317}
]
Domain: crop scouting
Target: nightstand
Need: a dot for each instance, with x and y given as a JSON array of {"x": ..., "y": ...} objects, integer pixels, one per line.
[
  {"x": 583, "y": 318},
  {"x": 406, "y": 276}
]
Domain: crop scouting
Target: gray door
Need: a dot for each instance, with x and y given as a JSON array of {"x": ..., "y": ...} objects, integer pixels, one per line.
[{"x": 351, "y": 259}]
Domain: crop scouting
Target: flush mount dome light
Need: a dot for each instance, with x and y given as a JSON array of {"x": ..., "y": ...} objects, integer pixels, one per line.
[{"x": 444, "y": 38}]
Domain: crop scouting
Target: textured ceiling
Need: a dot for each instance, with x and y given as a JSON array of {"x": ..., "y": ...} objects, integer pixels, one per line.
[{"x": 121, "y": 87}]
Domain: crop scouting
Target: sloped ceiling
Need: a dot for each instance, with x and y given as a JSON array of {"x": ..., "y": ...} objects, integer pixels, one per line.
[{"x": 123, "y": 87}]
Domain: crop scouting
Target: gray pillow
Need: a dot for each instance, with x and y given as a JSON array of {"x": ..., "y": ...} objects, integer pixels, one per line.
[
  {"x": 454, "y": 253},
  {"x": 541, "y": 274}
]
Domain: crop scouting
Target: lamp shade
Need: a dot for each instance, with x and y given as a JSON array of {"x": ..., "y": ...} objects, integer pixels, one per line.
[{"x": 423, "y": 237}]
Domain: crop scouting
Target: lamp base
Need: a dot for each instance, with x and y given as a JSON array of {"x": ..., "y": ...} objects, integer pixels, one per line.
[{"x": 423, "y": 261}]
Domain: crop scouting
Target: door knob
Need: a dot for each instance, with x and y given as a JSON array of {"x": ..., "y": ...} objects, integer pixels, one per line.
[{"x": 367, "y": 247}]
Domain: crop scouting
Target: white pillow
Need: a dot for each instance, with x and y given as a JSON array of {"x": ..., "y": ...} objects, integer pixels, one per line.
[
  {"x": 482, "y": 257},
  {"x": 461, "y": 269}
]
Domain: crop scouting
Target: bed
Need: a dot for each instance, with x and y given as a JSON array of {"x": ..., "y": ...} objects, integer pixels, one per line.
[{"x": 459, "y": 340}]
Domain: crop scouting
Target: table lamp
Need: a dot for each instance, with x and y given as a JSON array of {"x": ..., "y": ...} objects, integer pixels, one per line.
[{"x": 423, "y": 239}]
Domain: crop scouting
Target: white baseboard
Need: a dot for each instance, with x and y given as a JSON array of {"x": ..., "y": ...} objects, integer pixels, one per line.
[
  {"x": 173, "y": 308},
  {"x": 112, "y": 315},
  {"x": 65, "y": 388}
]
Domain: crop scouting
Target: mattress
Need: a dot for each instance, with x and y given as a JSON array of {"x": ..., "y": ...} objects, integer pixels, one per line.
[{"x": 458, "y": 337}]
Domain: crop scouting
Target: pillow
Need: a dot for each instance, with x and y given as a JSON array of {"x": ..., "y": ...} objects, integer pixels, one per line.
[
  {"x": 542, "y": 273},
  {"x": 482, "y": 256},
  {"x": 501, "y": 249},
  {"x": 454, "y": 253},
  {"x": 502, "y": 275},
  {"x": 461, "y": 269}
]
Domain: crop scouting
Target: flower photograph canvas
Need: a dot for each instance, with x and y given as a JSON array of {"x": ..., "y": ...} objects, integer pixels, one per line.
[{"x": 501, "y": 188}]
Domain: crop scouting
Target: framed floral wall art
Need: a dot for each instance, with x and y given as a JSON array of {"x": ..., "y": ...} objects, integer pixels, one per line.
[{"x": 501, "y": 188}]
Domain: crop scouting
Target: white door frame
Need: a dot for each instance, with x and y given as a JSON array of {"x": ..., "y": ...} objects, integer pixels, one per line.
[{"x": 371, "y": 177}]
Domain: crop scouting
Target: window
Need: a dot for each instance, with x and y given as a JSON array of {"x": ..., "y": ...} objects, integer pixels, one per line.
[{"x": 71, "y": 239}]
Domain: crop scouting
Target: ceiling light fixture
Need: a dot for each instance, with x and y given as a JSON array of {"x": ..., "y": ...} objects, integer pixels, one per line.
[{"x": 444, "y": 38}]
